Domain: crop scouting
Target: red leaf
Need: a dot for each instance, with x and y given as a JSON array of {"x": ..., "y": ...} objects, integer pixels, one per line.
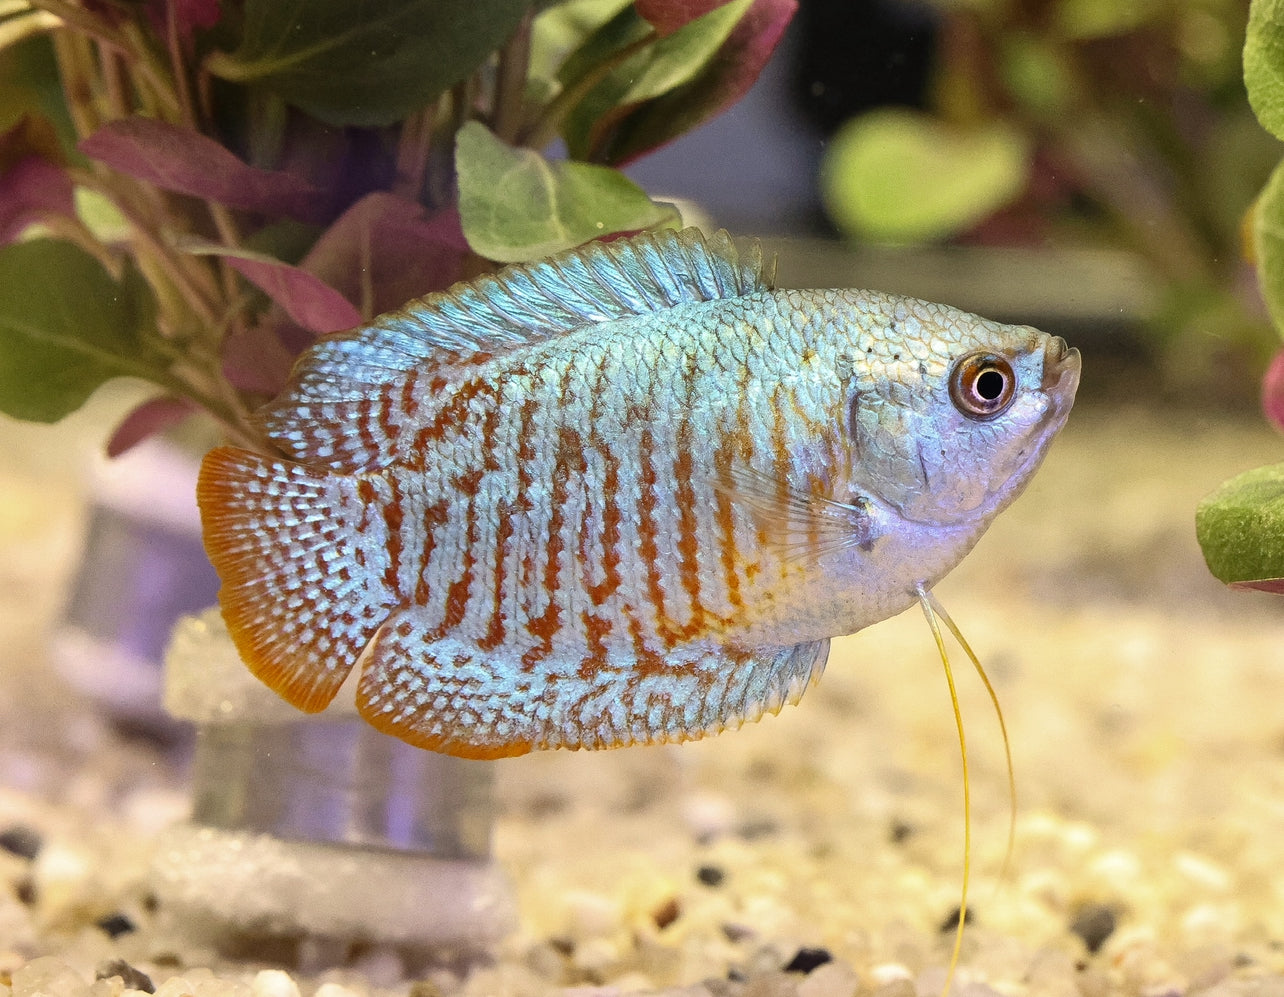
[
  {"x": 189, "y": 15},
  {"x": 187, "y": 162},
  {"x": 32, "y": 182},
  {"x": 30, "y": 190},
  {"x": 1273, "y": 392},
  {"x": 306, "y": 298},
  {"x": 388, "y": 248},
  {"x": 257, "y": 361},
  {"x": 151, "y": 417},
  {"x": 1275, "y": 585},
  {"x": 666, "y": 16},
  {"x": 384, "y": 247}
]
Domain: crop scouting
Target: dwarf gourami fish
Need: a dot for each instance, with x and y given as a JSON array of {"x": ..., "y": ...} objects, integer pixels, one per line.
[{"x": 624, "y": 495}]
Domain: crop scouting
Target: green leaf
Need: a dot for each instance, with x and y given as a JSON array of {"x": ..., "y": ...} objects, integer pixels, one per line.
[
  {"x": 65, "y": 328},
  {"x": 369, "y": 63},
  {"x": 723, "y": 80},
  {"x": 563, "y": 28},
  {"x": 900, "y": 176},
  {"x": 1264, "y": 63},
  {"x": 1240, "y": 527},
  {"x": 675, "y": 59},
  {"x": 662, "y": 66},
  {"x": 516, "y": 205}
]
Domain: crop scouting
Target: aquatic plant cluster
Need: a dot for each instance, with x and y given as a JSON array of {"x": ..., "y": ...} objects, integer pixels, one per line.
[
  {"x": 1241, "y": 525},
  {"x": 191, "y": 191}
]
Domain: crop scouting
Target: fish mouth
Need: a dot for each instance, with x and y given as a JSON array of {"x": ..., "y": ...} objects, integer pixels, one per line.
[{"x": 1061, "y": 368}]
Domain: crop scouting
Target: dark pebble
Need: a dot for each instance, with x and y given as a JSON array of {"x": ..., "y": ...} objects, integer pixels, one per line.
[
  {"x": 25, "y": 890},
  {"x": 951, "y": 921},
  {"x": 1094, "y": 923},
  {"x": 753, "y": 830},
  {"x": 805, "y": 960},
  {"x": 710, "y": 875},
  {"x": 901, "y": 832},
  {"x": 21, "y": 841},
  {"x": 115, "y": 925},
  {"x": 666, "y": 913},
  {"x": 134, "y": 979}
]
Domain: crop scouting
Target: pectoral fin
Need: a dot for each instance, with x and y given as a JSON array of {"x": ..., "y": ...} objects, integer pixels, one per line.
[{"x": 796, "y": 521}]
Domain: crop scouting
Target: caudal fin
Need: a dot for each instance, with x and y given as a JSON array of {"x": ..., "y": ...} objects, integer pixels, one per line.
[{"x": 300, "y": 595}]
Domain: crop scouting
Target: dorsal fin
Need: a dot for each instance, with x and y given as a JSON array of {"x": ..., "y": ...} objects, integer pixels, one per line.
[{"x": 327, "y": 413}]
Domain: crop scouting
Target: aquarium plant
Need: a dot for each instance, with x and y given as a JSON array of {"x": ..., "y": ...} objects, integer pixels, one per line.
[
  {"x": 191, "y": 191},
  {"x": 1241, "y": 525}
]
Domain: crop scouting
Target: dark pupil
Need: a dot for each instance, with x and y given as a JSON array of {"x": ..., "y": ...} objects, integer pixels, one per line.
[{"x": 990, "y": 384}]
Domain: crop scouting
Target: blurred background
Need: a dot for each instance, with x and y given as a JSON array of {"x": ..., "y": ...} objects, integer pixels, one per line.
[{"x": 1090, "y": 165}]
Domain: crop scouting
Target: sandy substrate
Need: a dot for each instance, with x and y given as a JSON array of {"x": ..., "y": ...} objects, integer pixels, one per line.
[{"x": 818, "y": 853}]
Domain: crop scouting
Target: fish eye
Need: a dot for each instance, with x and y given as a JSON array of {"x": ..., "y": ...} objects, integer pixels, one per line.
[{"x": 982, "y": 385}]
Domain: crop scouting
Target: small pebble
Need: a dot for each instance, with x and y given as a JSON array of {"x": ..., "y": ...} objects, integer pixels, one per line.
[
  {"x": 665, "y": 914},
  {"x": 273, "y": 983},
  {"x": 1094, "y": 923},
  {"x": 47, "y": 975},
  {"x": 710, "y": 875},
  {"x": 771, "y": 984},
  {"x": 805, "y": 960},
  {"x": 901, "y": 831},
  {"x": 886, "y": 973},
  {"x": 834, "y": 979},
  {"x": 951, "y": 920},
  {"x": 22, "y": 841},
  {"x": 134, "y": 979},
  {"x": 176, "y": 986},
  {"x": 900, "y": 987},
  {"x": 755, "y": 830},
  {"x": 115, "y": 925},
  {"x": 335, "y": 990}
]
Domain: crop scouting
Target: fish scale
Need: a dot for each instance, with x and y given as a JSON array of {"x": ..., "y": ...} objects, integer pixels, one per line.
[{"x": 622, "y": 496}]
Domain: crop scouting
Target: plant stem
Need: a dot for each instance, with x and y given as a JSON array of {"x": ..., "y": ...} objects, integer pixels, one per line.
[
  {"x": 178, "y": 68},
  {"x": 189, "y": 275},
  {"x": 212, "y": 393},
  {"x": 510, "y": 82},
  {"x": 72, "y": 55},
  {"x": 115, "y": 81},
  {"x": 545, "y": 127},
  {"x": 413, "y": 148},
  {"x": 82, "y": 20},
  {"x": 153, "y": 71}
]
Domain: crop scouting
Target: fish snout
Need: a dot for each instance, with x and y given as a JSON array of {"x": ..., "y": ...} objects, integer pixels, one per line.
[{"x": 1061, "y": 366}]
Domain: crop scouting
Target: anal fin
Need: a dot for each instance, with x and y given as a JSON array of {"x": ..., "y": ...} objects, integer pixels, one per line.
[{"x": 448, "y": 695}]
